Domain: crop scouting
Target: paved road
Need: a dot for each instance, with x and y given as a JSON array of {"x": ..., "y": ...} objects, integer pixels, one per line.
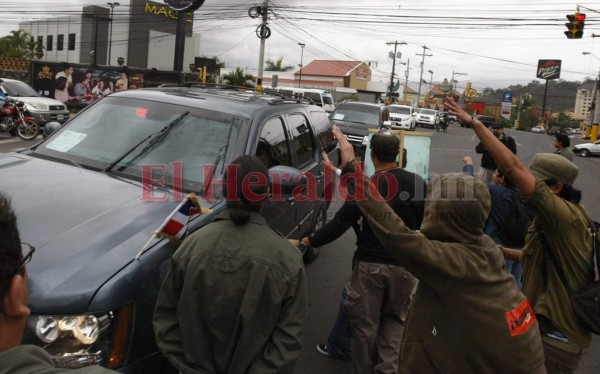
[{"x": 328, "y": 274}]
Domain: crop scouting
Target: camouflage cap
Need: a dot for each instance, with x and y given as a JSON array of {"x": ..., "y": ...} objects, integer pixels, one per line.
[{"x": 553, "y": 166}]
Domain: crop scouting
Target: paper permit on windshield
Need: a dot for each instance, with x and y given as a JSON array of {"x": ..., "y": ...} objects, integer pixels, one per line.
[{"x": 66, "y": 140}]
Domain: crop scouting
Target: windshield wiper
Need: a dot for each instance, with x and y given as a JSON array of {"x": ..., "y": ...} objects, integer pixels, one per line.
[
  {"x": 158, "y": 137},
  {"x": 222, "y": 152}
]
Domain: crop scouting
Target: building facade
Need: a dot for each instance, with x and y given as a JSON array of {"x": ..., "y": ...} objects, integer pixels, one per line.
[
  {"x": 583, "y": 101},
  {"x": 143, "y": 35}
]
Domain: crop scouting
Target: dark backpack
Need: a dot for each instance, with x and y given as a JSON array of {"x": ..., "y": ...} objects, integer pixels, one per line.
[{"x": 513, "y": 228}]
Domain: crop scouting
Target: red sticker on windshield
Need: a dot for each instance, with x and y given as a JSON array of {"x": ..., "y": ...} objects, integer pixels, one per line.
[{"x": 520, "y": 319}]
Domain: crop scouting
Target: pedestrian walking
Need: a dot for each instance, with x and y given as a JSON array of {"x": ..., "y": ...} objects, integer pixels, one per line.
[
  {"x": 234, "y": 298},
  {"x": 464, "y": 297},
  {"x": 560, "y": 225}
]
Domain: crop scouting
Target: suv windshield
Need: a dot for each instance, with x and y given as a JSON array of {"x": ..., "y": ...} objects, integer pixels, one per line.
[
  {"x": 399, "y": 109},
  {"x": 136, "y": 137},
  {"x": 428, "y": 112},
  {"x": 355, "y": 113},
  {"x": 19, "y": 88}
]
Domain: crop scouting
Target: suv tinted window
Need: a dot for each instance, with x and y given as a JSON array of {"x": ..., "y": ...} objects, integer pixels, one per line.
[
  {"x": 321, "y": 122},
  {"x": 302, "y": 138},
  {"x": 272, "y": 144}
]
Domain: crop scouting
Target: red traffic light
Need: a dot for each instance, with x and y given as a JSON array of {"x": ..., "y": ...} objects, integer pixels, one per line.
[{"x": 575, "y": 25}]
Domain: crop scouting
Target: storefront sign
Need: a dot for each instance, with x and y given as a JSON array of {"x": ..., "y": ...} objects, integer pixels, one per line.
[
  {"x": 548, "y": 69},
  {"x": 159, "y": 10}
]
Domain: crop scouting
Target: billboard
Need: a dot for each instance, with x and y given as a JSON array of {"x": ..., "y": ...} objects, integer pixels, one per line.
[
  {"x": 548, "y": 69},
  {"x": 78, "y": 85}
]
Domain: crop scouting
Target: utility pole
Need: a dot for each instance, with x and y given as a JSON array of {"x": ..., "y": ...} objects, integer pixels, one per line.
[
  {"x": 263, "y": 34},
  {"x": 421, "y": 78},
  {"x": 452, "y": 82},
  {"x": 406, "y": 76},
  {"x": 518, "y": 121},
  {"x": 390, "y": 91}
]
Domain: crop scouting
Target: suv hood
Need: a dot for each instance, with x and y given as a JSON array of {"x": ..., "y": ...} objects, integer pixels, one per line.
[{"x": 69, "y": 215}]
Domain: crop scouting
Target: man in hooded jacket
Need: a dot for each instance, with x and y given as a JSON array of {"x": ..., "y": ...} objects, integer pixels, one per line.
[{"x": 464, "y": 299}]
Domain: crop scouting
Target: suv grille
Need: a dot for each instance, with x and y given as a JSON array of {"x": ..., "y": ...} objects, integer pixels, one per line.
[
  {"x": 355, "y": 138},
  {"x": 57, "y": 107}
]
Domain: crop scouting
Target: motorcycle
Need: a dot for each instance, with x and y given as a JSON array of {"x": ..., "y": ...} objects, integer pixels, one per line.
[
  {"x": 442, "y": 124},
  {"x": 14, "y": 121}
]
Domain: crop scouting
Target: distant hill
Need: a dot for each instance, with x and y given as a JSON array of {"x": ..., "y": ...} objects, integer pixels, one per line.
[{"x": 560, "y": 97}]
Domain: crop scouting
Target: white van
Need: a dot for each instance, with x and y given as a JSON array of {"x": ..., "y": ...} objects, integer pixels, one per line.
[{"x": 319, "y": 97}]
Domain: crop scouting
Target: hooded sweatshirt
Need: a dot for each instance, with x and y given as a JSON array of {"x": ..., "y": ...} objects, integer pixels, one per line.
[{"x": 468, "y": 316}]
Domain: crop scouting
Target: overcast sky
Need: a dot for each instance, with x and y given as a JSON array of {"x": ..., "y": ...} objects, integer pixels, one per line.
[{"x": 495, "y": 43}]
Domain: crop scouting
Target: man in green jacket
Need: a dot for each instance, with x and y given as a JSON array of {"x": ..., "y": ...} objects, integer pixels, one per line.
[
  {"x": 14, "y": 255},
  {"x": 234, "y": 298},
  {"x": 468, "y": 316}
]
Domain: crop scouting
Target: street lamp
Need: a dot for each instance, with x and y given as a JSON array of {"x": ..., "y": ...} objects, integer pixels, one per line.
[
  {"x": 590, "y": 53},
  {"x": 112, "y": 6},
  {"x": 302, "y": 45},
  {"x": 431, "y": 81}
]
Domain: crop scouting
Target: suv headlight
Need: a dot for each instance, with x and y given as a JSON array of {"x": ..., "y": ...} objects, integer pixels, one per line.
[
  {"x": 39, "y": 106},
  {"x": 81, "y": 340}
]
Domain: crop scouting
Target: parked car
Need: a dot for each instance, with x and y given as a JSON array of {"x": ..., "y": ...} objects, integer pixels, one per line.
[
  {"x": 42, "y": 109},
  {"x": 90, "y": 196},
  {"x": 427, "y": 117},
  {"x": 402, "y": 117},
  {"x": 554, "y": 130},
  {"x": 587, "y": 149},
  {"x": 356, "y": 118},
  {"x": 538, "y": 129}
]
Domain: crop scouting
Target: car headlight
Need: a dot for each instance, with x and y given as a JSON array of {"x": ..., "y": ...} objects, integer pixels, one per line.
[
  {"x": 365, "y": 140},
  {"x": 81, "y": 340},
  {"x": 39, "y": 106}
]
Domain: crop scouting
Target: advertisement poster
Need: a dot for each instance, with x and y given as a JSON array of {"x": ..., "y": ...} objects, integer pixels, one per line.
[{"x": 78, "y": 85}]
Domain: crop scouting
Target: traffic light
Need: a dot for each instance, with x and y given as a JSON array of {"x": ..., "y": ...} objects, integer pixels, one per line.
[{"x": 575, "y": 25}]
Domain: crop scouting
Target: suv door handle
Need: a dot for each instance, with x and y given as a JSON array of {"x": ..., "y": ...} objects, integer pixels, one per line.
[{"x": 320, "y": 175}]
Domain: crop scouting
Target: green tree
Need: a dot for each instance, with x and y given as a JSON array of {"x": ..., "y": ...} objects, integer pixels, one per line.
[
  {"x": 239, "y": 78},
  {"x": 19, "y": 44},
  {"x": 271, "y": 65}
]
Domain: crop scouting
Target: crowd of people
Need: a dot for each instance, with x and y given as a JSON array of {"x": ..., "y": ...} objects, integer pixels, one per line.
[{"x": 234, "y": 298}]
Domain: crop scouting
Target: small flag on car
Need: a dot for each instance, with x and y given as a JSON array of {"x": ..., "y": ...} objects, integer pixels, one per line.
[{"x": 176, "y": 225}]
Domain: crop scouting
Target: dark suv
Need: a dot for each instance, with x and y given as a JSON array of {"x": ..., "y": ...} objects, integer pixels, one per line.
[
  {"x": 356, "y": 118},
  {"x": 90, "y": 196}
]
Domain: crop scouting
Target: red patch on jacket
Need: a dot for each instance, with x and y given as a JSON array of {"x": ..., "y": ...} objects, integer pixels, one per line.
[{"x": 520, "y": 319}]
